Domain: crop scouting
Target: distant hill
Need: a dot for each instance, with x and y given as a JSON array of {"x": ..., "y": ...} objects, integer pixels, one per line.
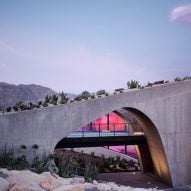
[{"x": 10, "y": 94}]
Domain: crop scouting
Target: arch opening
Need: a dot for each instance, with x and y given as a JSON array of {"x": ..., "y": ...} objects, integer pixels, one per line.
[
  {"x": 153, "y": 152},
  {"x": 151, "y": 155}
]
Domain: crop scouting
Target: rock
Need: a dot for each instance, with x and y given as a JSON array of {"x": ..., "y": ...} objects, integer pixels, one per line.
[
  {"x": 103, "y": 187},
  {"x": 125, "y": 188},
  {"x": 95, "y": 182},
  {"x": 88, "y": 186},
  {"x": 141, "y": 189},
  {"x": 3, "y": 184},
  {"x": 46, "y": 185},
  {"x": 4, "y": 173},
  {"x": 70, "y": 188},
  {"x": 23, "y": 178},
  {"x": 26, "y": 188},
  {"x": 77, "y": 180},
  {"x": 55, "y": 180},
  {"x": 29, "y": 181}
]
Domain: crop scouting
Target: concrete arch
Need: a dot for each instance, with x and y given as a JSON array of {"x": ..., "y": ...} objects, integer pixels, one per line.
[
  {"x": 168, "y": 106},
  {"x": 152, "y": 156},
  {"x": 157, "y": 160}
]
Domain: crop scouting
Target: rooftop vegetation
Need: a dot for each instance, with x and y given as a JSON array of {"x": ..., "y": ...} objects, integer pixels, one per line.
[{"x": 62, "y": 98}]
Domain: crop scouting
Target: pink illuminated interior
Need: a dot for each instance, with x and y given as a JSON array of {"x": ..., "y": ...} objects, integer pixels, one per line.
[{"x": 111, "y": 122}]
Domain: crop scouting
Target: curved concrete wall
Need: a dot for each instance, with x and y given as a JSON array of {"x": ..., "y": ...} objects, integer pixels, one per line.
[{"x": 167, "y": 106}]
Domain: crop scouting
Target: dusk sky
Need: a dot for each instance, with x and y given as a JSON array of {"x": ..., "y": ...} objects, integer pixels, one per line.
[{"x": 76, "y": 45}]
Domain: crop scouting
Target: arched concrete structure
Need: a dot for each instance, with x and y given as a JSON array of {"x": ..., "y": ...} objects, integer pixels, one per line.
[
  {"x": 166, "y": 106},
  {"x": 152, "y": 155}
]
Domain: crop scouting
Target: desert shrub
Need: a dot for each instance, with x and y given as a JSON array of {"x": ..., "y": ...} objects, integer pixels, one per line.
[
  {"x": 84, "y": 95},
  {"x": 100, "y": 92},
  {"x": 45, "y": 105},
  {"x": 40, "y": 103},
  {"x": 47, "y": 99},
  {"x": 119, "y": 89},
  {"x": 39, "y": 164},
  {"x": 92, "y": 96},
  {"x": 23, "y": 147},
  {"x": 9, "y": 109},
  {"x": 15, "y": 108},
  {"x": 90, "y": 172},
  {"x": 54, "y": 99},
  {"x": 20, "y": 163},
  {"x": 64, "y": 98},
  {"x": 92, "y": 153},
  {"x": 67, "y": 168},
  {"x": 177, "y": 79},
  {"x": 35, "y": 146},
  {"x": 78, "y": 98},
  {"x": 7, "y": 160},
  {"x": 186, "y": 78},
  {"x": 133, "y": 84}
]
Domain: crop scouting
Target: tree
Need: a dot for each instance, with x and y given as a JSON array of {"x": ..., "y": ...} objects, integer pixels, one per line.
[{"x": 133, "y": 84}]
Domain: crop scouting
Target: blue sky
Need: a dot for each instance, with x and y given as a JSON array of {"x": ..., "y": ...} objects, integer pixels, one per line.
[{"x": 76, "y": 45}]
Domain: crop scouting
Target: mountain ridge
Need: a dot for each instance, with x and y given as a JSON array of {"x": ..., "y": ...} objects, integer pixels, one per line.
[{"x": 11, "y": 93}]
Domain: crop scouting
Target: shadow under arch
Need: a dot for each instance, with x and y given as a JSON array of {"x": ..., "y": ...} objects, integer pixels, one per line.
[{"x": 152, "y": 155}]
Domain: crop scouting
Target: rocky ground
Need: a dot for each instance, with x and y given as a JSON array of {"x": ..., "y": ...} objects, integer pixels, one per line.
[{"x": 29, "y": 181}]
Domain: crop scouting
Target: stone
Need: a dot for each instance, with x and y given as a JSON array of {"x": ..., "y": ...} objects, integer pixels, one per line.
[
  {"x": 46, "y": 185},
  {"x": 55, "y": 181},
  {"x": 70, "y": 188},
  {"x": 26, "y": 188},
  {"x": 23, "y": 178},
  {"x": 3, "y": 184},
  {"x": 88, "y": 186},
  {"x": 141, "y": 189},
  {"x": 95, "y": 182},
  {"x": 77, "y": 180},
  {"x": 103, "y": 187}
]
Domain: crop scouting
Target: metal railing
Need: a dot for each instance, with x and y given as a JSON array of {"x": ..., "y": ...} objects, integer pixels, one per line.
[{"x": 103, "y": 129}]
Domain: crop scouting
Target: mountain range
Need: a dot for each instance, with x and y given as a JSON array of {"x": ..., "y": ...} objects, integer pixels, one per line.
[{"x": 10, "y": 93}]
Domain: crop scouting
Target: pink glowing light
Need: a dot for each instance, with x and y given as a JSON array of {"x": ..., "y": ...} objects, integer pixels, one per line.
[{"x": 111, "y": 122}]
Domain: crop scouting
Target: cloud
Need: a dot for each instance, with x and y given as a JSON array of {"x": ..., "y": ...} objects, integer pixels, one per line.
[
  {"x": 181, "y": 14},
  {"x": 7, "y": 48}
]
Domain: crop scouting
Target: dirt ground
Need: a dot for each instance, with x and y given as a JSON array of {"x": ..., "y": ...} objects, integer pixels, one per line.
[{"x": 133, "y": 179}]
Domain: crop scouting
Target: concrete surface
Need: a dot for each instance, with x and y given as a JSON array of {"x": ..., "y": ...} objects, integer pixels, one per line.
[{"x": 163, "y": 112}]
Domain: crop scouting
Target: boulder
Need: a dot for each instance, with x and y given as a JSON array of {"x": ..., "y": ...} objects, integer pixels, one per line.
[
  {"x": 88, "y": 186},
  {"x": 141, "y": 189},
  {"x": 55, "y": 180},
  {"x": 3, "y": 184},
  {"x": 46, "y": 185},
  {"x": 77, "y": 180},
  {"x": 70, "y": 188},
  {"x": 26, "y": 188},
  {"x": 24, "y": 178},
  {"x": 103, "y": 187}
]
